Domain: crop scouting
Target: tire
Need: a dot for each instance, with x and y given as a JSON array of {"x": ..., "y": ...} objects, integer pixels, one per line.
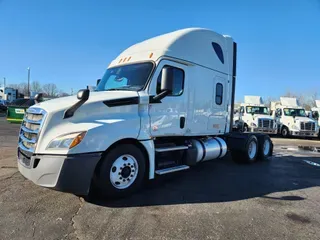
[
  {"x": 284, "y": 132},
  {"x": 250, "y": 152},
  {"x": 265, "y": 147},
  {"x": 121, "y": 172}
]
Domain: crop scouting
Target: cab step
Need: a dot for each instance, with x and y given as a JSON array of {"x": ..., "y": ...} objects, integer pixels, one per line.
[
  {"x": 173, "y": 148},
  {"x": 172, "y": 169}
]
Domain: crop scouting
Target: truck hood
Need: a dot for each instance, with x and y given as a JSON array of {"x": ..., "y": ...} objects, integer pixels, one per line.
[
  {"x": 62, "y": 103},
  {"x": 261, "y": 116},
  {"x": 303, "y": 119}
]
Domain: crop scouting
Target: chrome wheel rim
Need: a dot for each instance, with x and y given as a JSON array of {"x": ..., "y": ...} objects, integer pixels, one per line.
[
  {"x": 266, "y": 147},
  {"x": 124, "y": 171},
  {"x": 252, "y": 150}
]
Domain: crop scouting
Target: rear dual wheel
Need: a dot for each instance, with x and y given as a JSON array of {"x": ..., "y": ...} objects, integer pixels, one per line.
[
  {"x": 249, "y": 153},
  {"x": 257, "y": 147},
  {"x": 265, "y": 147}
]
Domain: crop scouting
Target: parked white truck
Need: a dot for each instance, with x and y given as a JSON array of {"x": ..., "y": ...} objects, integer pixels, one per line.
[
  {"x": 292, "y": 119},
  {"x": 255, "y": 116},
  {"x": 163, "y": 105},
  {"x": 315, "y": 113}
]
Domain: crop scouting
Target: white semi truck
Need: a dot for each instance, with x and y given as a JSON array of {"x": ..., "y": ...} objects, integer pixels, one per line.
[
  {"x": 163, "y": 105},
  {"x": 315, "y": 114},
  {"x": 292, "y": 119},
  {"x": 255, "y": 116},
  {"x": 8, "y": 94}
]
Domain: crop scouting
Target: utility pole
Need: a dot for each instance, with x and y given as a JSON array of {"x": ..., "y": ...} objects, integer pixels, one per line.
[
  {"x": 4, "y": 83},
  {"x": 28, "y": 82}
]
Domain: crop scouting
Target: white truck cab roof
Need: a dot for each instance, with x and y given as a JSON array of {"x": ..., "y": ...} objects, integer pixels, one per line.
[
  {"x": 289, "y": 102},
  {"x": 177, "y": 45},
  {"x": 253, "y": 101}
]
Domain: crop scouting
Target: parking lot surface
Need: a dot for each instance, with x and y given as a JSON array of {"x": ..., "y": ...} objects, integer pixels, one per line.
[{"x": 274, "y": 199}]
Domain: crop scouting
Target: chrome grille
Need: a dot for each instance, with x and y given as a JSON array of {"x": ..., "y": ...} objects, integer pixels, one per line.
[
  {"x": 307, "y": 126},
  {"x": 265, "y": 123},
  {"x": 30, "y": 128}
]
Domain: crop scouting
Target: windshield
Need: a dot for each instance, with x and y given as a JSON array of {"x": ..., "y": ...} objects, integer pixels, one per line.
[
  {"x": 294, "y": 112},
  {"x": 257, "y": 110},
  {"x": 131, "y": 77}
]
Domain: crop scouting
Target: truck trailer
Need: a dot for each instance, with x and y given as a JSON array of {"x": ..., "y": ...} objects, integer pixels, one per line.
[
  {"x": 162, "y": 106},
  {"x": 255, "y": 116},
  {"x": 292, "y": 119}
]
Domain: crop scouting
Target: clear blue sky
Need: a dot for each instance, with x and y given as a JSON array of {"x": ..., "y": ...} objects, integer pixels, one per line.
[{"x": 71, "y": 42}]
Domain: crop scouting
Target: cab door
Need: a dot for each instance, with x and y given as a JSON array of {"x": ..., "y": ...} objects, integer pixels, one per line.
[
  {"x": 168, "y": 115},
  {"x": 217, "y": 121}
]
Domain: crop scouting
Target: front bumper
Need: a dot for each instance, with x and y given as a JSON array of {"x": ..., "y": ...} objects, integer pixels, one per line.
[
  {"x": 66, "y": 173},
  {"x": 304, "y": 133},
  {"x": 265, "y": 130}
]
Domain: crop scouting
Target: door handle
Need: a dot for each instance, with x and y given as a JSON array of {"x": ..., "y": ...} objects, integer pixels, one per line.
[{"x": 182, "y": 122}]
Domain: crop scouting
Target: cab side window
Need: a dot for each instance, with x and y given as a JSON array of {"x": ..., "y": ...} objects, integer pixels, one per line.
[
  {"x": 219, "y": 93},
  {"x": 178, "y": 82}
]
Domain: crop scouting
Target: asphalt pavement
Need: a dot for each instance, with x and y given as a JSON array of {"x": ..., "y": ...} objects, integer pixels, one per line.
[{"x": 274, "y": 199}]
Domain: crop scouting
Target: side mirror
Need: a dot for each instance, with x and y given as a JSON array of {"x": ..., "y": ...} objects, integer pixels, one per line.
[
  {"x": 38, "y": 98},
  {"x": 98, "y": 81},
  {"x": 167, "y": 79},
  {"x": 83, "y": 94},
  {"x": 166, "y": 83}
]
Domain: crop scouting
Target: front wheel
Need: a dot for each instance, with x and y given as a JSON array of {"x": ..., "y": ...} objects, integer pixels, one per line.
[
  {"x": 284, "y": 132},
  {"x": 121, "y": 172}
]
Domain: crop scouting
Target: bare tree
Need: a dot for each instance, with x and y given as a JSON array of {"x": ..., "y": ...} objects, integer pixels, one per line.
[
  {"x": 50, "y": 90},
  {"x": 22, "y": 88},
  {"x": 290, "y": 94},
  {"x": 36, "y": 86},
  {"x": 63, "y": 94},
  {"x": 269, "y": 100},
  {"x": 314, "y": 97},
  {"x": 15, "y": 86}
]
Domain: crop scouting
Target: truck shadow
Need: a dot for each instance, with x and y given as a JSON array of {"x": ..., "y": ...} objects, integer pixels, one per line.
[{"x": 224, "y": 181}]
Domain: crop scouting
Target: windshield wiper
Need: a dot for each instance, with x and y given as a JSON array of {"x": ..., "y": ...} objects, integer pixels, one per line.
[
  {"x": 125, "y": 88},
  {"x": 116, "y": 89}
]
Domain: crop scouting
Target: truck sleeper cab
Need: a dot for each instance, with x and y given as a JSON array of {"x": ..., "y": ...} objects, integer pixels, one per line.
[{"x": 162, "y": 106}]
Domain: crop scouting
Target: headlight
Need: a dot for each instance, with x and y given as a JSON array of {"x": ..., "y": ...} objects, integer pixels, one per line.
[
  {"x": 253, "y": 125},
  {"x": 67, "y": 141},
  {"x": 294, "y": 127}
]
